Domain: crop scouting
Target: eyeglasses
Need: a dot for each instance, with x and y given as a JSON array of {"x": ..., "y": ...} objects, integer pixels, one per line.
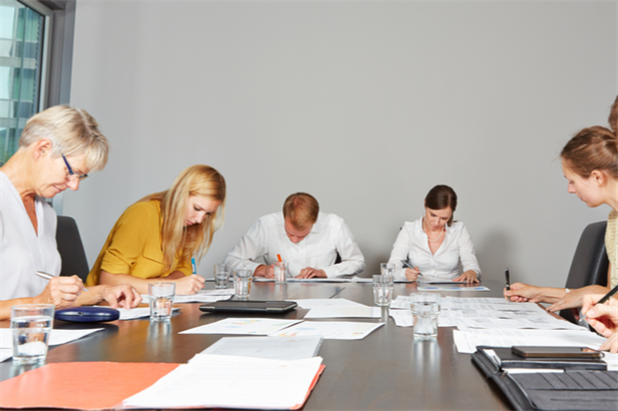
[{"x": 80, "y": 177}]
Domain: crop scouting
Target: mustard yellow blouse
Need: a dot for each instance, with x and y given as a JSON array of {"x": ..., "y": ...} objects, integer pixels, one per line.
[{"x": 134, "y": 246}]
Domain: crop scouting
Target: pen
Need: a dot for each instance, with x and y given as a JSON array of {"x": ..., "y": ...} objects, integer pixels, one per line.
[
  {"x": 279, "y": 258},
  {"x": 508, "y": 278},
  {"x": 405, "y": 264},
  {"x": 605, "y": 298},
  {"x": 193, "y": 267},
  {"x": 48, "y": 277}
]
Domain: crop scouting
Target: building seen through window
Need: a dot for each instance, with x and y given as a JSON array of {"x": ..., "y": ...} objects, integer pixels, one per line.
[{"x": 22, "y": 33}]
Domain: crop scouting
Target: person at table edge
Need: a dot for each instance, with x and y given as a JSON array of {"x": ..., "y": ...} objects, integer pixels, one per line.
[
  {"x": 57, "y": 149},
  {"x": 307, "y": 239}
]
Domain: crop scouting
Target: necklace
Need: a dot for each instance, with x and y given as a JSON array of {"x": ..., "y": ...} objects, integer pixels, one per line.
[{"x": 427, "y": 233}]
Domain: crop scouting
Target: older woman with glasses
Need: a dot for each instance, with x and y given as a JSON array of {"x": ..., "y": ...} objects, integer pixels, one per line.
[{"x": 57, "y": 149}]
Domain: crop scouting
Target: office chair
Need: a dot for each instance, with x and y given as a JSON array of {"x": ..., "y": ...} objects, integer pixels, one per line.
[
  {"x": 590, "y": 262},
  {"x": 71, "y": 249}
]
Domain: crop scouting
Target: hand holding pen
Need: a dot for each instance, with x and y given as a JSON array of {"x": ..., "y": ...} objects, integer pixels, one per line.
[
  {"x": 61, "y": 291},
  {"x": 412, "y": 273},
  {"x": 597, "y": 311}
]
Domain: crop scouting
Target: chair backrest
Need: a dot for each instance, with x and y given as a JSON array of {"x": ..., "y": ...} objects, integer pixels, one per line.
[
  {"x": 590, "y": 262},
  {"x": 71, "y": 249}
]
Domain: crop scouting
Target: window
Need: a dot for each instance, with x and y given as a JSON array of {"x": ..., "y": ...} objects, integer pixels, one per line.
[{"x": 24, "y": 41}]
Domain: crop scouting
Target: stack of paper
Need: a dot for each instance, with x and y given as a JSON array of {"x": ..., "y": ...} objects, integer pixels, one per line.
[
  {"x": 275, "y": 348},
  {"x": 212, "y": 381}
]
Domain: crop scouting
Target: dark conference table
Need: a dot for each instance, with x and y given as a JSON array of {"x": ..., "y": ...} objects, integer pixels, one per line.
[{"x": 386, "y": 370}]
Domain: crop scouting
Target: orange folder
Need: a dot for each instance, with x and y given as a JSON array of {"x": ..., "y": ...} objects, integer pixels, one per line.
[
  {"x": 80, "y": 385},
  {"x": 88, "y": 385}
]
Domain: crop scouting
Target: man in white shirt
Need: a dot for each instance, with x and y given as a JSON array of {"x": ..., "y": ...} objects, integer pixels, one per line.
[{"x": 302, "y": 236}]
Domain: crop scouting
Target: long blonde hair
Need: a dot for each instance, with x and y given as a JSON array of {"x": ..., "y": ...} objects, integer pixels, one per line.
[{"x": 191, "y": 241}]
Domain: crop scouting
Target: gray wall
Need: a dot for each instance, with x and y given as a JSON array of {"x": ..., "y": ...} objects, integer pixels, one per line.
[{"x": 365, "y": 105}]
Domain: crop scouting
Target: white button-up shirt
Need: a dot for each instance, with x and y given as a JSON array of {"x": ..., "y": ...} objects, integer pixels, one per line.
[
  {"x": 329, "y": 235},
  {"x": 24, "y": 251},
  {"x": 455, "y": 251}
]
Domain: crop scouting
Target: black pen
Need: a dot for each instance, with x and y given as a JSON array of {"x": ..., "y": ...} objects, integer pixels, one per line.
[
  {"x": 605, "y": 298},
  {"x": 508, "y": 279},
  {"x": 405, "y": 264}
]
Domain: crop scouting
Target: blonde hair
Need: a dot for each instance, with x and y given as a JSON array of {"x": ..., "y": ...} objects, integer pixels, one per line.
[
  {"x": 191, "y": 241},
  {"x": 301, "y": 209},
  {"x": 72, "y": 131}
]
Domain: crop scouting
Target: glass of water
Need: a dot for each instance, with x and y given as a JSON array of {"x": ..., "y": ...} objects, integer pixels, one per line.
[
  {"x": 161, "y": 299},
  {"x": 31, "y": 325},
  {"x": 222, "y": 276},
  {"x": 382, "y": 291},
  {"x": 242, "y": 284},
  {"x": 281, "y": 270},
  {"x": 425, "y": 310}
]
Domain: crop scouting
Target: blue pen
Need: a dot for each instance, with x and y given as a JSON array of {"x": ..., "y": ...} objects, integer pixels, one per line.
[{"x": 193, "y": 267}]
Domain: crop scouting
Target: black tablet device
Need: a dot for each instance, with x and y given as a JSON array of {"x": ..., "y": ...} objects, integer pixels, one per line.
[{"x": 270, "y": 307}]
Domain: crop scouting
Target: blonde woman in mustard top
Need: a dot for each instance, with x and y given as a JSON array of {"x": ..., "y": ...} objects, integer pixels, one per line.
[{"x": 156, "y": 237}]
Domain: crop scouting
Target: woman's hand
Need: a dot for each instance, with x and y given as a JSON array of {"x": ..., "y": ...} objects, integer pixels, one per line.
[
  {"x": 574, "y": 298},
  {"x": 611, "y": 344},
  {"x": 603, "y": 317},
  {"x": 61, "y": 292},
  {"x": 412, "y": 273},
  {"x": 467, "y": 277},
  {"x": 522, "y": 293},
  {"x": 123, "y": 295},
  {"x": 189, "y": 285}
]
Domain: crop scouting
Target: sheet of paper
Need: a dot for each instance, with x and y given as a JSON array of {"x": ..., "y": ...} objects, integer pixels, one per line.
[
  {"x": 138, "y": 312},
  {"x": 326, "y": 302},
  {"x": 545, "y": 322},
  {"x": 275, "y": 348},
  {"x": 209, "y": 296},
  {"x": 344, "y": 312},
  {"x": 467, "y": 341},
  {"x": 344, "y": 279},
  {"x": 5, "y": 353},
  {"x": 330, "y": 330},
  {"x": 451, "y": 287},
  {"x": 403, "y": 318},
  {"x": 243, "y": 326},
  {"x": 427, "y": 279},
  {"x": 212, "y": 381},
  {"x": 57, "y": 337}
]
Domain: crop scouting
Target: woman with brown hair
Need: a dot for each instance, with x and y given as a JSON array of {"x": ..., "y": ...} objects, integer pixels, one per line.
[
  {"x": 435, "y": 245},
  {"x": 590, "y": 165},
  {"x": 158, "y": 236}
]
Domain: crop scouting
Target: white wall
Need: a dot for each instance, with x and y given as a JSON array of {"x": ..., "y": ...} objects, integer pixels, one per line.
[{"x": 365, "y": 105}]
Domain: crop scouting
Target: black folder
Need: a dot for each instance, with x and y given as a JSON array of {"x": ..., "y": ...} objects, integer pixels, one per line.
[{"x": 570, "y": 390}]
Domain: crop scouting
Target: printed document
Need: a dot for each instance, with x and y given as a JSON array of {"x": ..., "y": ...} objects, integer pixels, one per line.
[
  {"x": 220, "y": 381},
  {"x": 330, "y": 330},
  {"x": 275, "y": 348},
  {"x": 251, "y": 326}
]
